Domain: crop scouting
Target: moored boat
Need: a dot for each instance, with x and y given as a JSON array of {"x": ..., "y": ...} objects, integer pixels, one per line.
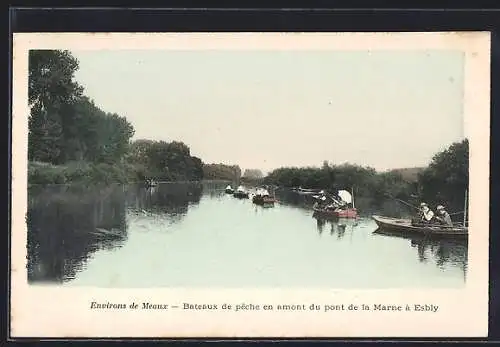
[
  {"x": 262, "y": 197},
  {"x": 336, "y": 212},
  {"x": 229, "y": 190},
  {"x": 241, "y": 193},
  {"x": 405, "y": 226},
  {"x": 341, "y": 206}
]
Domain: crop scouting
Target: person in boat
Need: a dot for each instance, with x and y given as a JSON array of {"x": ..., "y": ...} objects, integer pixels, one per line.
[
  {"x": 443, "y": 217},
  {"x": 425, "y": 216}
]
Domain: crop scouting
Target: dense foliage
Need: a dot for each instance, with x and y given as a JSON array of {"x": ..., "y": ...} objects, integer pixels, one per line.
[
  {"x": 71, "y": 139},
  {"x": 222, "y": 172},
  {"x": 253, "y": 174},
  {"x": 444, "y": 181}
]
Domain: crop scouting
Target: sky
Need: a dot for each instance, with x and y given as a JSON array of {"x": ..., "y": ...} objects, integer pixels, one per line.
[{"x": 268, "y": 109}]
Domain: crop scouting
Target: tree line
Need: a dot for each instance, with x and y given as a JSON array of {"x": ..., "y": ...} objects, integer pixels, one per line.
[{"x": 444, "y": 181}]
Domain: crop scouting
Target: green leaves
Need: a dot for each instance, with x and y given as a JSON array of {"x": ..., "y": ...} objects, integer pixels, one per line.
[
  {"x": 446, "y": 178},
  {"x": 64, "y": 124}
]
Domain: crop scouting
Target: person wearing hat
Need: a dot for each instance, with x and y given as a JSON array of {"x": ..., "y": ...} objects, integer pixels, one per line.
[
  {"x": 443, "y": 217},
  {"x": 426, "y": 214}
]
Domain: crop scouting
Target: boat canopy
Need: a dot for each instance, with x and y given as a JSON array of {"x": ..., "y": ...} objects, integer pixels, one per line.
[
  {"x": 229, "y": 187},
  {"x": 345, "y": 196},
  {"x": 241, "y": 189},
  {"x": 262, "y": 192}
]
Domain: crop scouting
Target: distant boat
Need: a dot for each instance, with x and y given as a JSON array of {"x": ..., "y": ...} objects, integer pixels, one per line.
[
  {"x": 149, "y": 183},
  {"x": 262, "y": 197},
  {"x": 405, "y": 226},
  {"x": 303, "y": 191},
  {"x": 241, "y": 193},
  {"x": 229, "y": 190}
]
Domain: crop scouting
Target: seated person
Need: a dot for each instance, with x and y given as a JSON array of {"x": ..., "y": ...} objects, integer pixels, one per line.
[
  {"x": 443, "y": 217},
  {"x": 425, "y": 215}
]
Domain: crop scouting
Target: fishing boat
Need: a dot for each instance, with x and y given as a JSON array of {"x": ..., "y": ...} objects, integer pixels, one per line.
[
  {"x": 336, "y": 212},
  {"x": 405, "y": 226},
  {"x": 262, "y": 197},
  {"x": 336, "y": 208},
  {"x": 229, "y": 190},
  {"x": 303, "y": 191},
  {"x": 241, "y": 193},
  {"x": 150, "y": 183}
]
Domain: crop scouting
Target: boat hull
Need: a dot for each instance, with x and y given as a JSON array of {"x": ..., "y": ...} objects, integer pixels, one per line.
[
  {"x": 405, "y": 227},
  {"x": 240, "y": 195},
  {"x": 263, "y": 200},
  {"x": 229, "y": 191},
  {"x": 347, "y": 213}
]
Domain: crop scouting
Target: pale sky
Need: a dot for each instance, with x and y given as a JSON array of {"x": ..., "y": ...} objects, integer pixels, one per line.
[{"x": 266, "y": 109}]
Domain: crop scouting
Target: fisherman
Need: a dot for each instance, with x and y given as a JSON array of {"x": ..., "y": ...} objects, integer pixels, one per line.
[
  {"x": 443, "y": 217},
  {"x": 426, "y": 214}
]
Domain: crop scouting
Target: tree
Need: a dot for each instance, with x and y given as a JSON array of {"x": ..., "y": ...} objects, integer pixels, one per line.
[
  {"x": 446, "y": 178},
  {"x": 50, "y": 88},
  {"x": 253, "y": 174}
]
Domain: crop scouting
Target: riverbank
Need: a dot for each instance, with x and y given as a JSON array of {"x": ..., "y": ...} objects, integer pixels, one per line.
[{"x": 82, "y": 172}]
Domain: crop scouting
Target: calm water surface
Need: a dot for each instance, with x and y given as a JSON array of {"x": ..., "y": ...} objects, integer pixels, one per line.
[{"x": 196, "y": 235}]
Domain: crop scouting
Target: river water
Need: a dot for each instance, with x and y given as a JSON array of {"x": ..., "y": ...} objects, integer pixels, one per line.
[{"x": 196, "y": 235}]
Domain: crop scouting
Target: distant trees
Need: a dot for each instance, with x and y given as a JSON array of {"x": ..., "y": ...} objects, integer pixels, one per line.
[
  {"x": 253, "y": 174},
  {"x": 169, "y": 161},
  {"x": 222, "y": 172}
]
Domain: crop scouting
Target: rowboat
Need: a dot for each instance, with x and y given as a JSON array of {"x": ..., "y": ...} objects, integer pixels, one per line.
[
  {"x": 303, "y": 191},
  {"x": 262, "y": 197},
  {"x": 349, "y": 212},
  {"x": 241, "y": 193},
  {"x": 263, "y": 200},
  {"x": 405, "y": 226}
]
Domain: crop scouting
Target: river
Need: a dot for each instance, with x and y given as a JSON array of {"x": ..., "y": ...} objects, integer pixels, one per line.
[{"x": 193, "y": 234}]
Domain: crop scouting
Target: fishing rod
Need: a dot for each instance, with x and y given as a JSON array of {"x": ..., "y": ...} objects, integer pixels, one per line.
[
  {"x": 417, "y": 208},
  {"x": 404, "y": 202}
]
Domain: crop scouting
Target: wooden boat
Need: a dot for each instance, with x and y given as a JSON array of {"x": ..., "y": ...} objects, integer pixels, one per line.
[
  {"x": 343, "y": 208},
  {"x": 405, "y": 226},
  {"x": 349, "y": 212},
  {"x": 241, "y": 193},
  {"x": 262, "y": 197},
  {"x": 263, "y": 200},
  {"x": 303, "y": 191}
]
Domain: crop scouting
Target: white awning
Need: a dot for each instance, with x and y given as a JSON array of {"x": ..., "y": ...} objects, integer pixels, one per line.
[{"x": 345, "y": 196}]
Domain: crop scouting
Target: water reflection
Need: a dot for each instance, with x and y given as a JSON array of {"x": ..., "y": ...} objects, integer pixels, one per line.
[
  {"x": 67, "y": 224},
  {"x": 160, "y": 228},
  {"x": 337, "y": 226},
  {"x": 443, "y": 253}
]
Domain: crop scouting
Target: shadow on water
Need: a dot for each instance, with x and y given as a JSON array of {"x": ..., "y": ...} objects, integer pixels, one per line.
[
  {"x": 170, "y": 199},
  {"x": 67, "y": 224},
  {"x": 443, "y": 252}
]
